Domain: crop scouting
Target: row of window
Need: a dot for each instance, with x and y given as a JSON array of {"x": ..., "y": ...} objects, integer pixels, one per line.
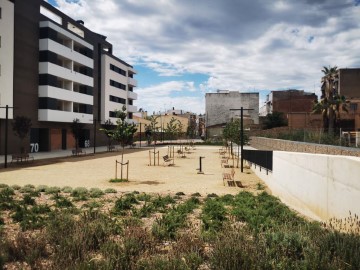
[
  {"x": 117, "y": 84},
  {"x": 117, "y": 70},
  {"x": 51, "y": 80},
  {"x": 60, "y": 105},
  {"x": 46, "y": 32},
  {"x": 117, "y": 99},
  {"x": 51, "y": 57}
]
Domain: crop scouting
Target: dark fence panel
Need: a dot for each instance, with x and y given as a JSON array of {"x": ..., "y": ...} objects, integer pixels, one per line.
[{"x": 259, "y": 157}]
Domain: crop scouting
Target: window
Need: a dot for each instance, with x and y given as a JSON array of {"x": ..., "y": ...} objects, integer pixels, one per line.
[
  {"x": 117, "y": 70},
  {"x": 0, "y": 13},
  {"x": 117, "y": 99},
  {"x": 353, "y": 107},
  {"x": 117, "y": 85}
]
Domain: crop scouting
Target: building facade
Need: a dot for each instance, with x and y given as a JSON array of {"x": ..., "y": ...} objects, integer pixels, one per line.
[
  {"x": 347, "y": 84},
  {"x": 296, "y": 105},
  {"x": 6, "y": 56},
  {"x": 224, "y": 105},
  {"x": 62, "y": 71},
  {"x": 288, "y": 101}
]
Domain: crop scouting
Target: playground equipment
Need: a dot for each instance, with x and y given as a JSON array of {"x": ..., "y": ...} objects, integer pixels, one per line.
[
  {"x": 154, "y": 153},
  {"x": 121, "y": 170}
]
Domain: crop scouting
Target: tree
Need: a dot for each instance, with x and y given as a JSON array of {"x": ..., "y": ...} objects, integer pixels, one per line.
[
  {"x": 231, "y": 132},
  {"x": 76, "y": 128},
  {"x": 331, "y": 103},
  {"x": 152, "y": 130},
  {"x": 275, "y": 119},
  {"x": 171, "y": 128},
  {"x": 123, "y": 131},
  {"x": 180, "y": 129},
  {"x": 21, "y": 127}
]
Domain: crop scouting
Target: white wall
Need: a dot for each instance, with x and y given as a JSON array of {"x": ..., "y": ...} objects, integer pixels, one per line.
[
  {"x": 107, "y": 89},
  {"x": 318, "y": 186},
  {"x": 6, "y": 57}
]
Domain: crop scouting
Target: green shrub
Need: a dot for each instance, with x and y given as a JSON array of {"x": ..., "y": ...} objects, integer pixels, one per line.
[
  {"x": 27, "y": 218},
  {"x": 67, "y": 189},
  {"x": 15, "y": 187},
  {"x": 52, "y": 190},
  {"x": 118, "y": 180},
  {"x": 63, "y": 202},
  {"x": 80, "y": 193},
  {"x": 28, "y": 200},
  {"x": 42, "y": 188},
  {"x": 3, "y": 185},
  {"x": 213, "y": 216},
  {"x": 96, "y": 193},
  {"x": 125, "y": 203},
  {"x": 144, "y": 197},
  {"x": 110, "y": 190},
  {"x": 6, "y": 198},
  {"x": 26, "y": 189}
]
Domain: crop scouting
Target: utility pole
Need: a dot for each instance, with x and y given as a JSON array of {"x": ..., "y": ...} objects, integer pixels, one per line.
[{"x": 241, "y": 134}]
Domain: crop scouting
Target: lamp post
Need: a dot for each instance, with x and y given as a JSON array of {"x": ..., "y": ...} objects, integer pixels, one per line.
[
  {"x": 6, "y": 130},
  {"x": 241, "y": 134}
]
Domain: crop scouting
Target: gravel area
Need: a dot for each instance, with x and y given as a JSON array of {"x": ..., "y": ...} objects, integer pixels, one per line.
[{"x": 96, "y": 171}]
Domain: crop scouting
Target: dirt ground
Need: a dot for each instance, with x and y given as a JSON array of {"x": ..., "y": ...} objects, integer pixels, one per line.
[{"x": 96, "y": 171}]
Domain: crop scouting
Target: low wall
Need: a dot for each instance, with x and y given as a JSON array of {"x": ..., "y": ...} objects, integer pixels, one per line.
[
  {"x": 318, "y": 186},
  {"x": 263, "y": 143}
]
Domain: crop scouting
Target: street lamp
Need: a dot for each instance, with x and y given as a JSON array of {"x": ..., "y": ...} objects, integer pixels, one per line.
[{"x": 241, "y": 134}]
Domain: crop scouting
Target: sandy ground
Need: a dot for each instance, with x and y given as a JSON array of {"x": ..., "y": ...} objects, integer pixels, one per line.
[{"x": 96, "y": 171}]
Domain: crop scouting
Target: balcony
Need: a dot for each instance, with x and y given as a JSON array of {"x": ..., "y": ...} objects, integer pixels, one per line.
[
  {"x": 50, "y": 45},
  {"x": 63, "y": 116},
  {"x": 67, "y": 95},
  {"x": 132, "y": 95},
  {"x": 132, "y": 82},
  {"x": 67, "y": 74},
  {"x": 131, "y": 109}
]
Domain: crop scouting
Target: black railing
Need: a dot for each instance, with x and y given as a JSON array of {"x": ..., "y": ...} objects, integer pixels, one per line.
[{"x": 261, "y": 158}]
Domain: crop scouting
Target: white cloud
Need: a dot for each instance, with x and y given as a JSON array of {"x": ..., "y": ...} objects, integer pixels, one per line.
[
  {"x": 166, "y": 95},
  {"x": 241, "y": 45}
]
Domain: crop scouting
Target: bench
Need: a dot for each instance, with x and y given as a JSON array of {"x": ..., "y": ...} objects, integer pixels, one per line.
[
  {"x": 168, "y": 160},
  {"x": 225, "y": 164},
  {"x": 21, "y": 158},
  {"x": 229, "y": 178},
  {"x": 78, "y": 152}
]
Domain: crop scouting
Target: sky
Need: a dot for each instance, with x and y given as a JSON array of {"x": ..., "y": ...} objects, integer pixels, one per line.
[{"x": 183, "y": 49}]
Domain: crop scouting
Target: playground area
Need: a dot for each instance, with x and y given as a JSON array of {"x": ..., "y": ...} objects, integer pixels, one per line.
[{"x": 174, "y": 171}]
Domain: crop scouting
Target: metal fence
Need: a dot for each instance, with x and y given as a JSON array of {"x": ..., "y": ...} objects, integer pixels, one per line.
[{"x": 262, "y": 158}]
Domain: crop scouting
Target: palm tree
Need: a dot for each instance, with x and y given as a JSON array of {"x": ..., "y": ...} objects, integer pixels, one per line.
[
  {"x": 329, "y": 91},
  {"x": 331, "y": 103}
]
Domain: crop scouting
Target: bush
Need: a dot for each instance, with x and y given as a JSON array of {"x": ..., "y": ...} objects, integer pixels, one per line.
[
  {"x": 110, "y": 190},
  {"x": 42, "y": 188},
  {"x": 52, "y": 190},
  {"x": 96, "y": 193},
  {"x": 67, "y": 189}
]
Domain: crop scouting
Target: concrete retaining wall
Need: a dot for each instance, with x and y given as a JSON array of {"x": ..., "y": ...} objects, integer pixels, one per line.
[
  {"x": 263, "y": 143},
  {"x": 318, "y": 186}
]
